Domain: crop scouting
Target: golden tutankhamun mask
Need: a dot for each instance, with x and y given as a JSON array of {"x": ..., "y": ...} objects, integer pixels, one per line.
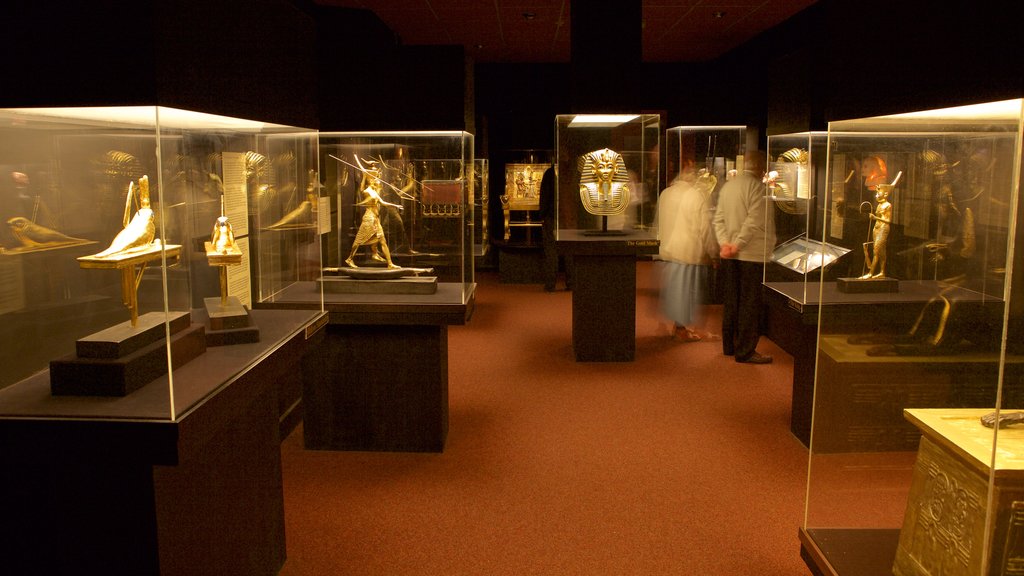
[{"x": 604, "y": 183}]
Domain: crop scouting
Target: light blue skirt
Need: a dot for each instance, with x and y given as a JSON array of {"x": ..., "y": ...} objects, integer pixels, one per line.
[{"x": 683, "y": 289}]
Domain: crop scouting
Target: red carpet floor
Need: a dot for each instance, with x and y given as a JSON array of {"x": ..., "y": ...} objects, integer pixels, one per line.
[{"x": 680, "y": 462}]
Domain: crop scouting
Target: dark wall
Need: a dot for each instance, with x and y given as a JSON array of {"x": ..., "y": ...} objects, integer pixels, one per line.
[
  {"x": 843, "y": 59},
  {"x": 369, "y": 81},
  {"x": 246, "y": 58},
  {"x": 888, "y": 57},
  {"x": 77, "y": 53}
]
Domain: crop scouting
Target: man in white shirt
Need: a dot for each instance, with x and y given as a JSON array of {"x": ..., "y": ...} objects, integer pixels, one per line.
[{"x": 745, "y": 233}]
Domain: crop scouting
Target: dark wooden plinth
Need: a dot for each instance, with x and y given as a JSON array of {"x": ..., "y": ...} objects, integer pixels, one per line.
[
  {"x": 123, "y": 339},
  {"x": 521, "y": 264},
  {"x": 378, "y": 387},
  {"x": 793, "y": 310},
  {"x": 604, "y": 293},
  {"x": 226, "y": 316},
  {"x": 604, "y": 308},
  {"x": 113, "y": 486},
  {"x": 76, "y": 376},
  {"x": 379, "y": 380}
]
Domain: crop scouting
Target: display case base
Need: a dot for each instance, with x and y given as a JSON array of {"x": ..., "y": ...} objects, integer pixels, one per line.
[
  {"x": 77, "y": 376},
  {"x": 849, "y": 551},
  {"x": 604, "y": 292},
  {"x": 360, "y": 395},
  {"x": 867, "y": 285}
]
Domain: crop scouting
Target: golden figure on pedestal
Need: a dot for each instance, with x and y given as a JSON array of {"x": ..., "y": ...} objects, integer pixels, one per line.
[
  {"x": 604, "y": 183},
  {"x": 371, "y": 232},
  {"x": 222, "y": 251},
  {"x": 134, "y": 247},
  {"x": 882, "y": 217}
]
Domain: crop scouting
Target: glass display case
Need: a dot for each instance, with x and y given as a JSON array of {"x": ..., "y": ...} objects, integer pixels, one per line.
[
  {"x": 125, "y": 256},
  {"x": 402, "y": 213},
  {"x": 905, "y": 477},
  {"x": 521, "y": 202},
  {"x": 795, "y": 187},
  {"x": 712, "y": 152},
  {"x": 481, "y": 196},
  {"x": 607, "y": 176}
]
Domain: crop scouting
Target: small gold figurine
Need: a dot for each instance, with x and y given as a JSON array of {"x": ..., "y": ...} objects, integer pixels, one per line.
[
  {"x": 604, "y": 183},
  {"x": 221, "y": 251},
  {"x": 882, "y": 217},
  {"x": 32, "y": 235},
  {"x": 222, "y": 239},
  {"x": 371, "y": 232}
]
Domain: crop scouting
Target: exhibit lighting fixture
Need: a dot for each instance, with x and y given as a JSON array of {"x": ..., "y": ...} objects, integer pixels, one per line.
[
  {"x": 601, "y": 120},
  {"x": 145, "y": 116},
  {"x": 987, "y": 111}
]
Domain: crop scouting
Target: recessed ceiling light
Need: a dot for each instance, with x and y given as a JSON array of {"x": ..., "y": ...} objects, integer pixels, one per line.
[{"x": 718, "y": 14}]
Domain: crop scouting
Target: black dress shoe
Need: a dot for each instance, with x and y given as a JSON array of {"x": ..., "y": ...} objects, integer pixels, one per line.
[{"x": 756, "y": 358}]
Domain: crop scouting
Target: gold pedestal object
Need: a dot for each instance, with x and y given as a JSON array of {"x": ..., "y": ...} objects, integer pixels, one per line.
[{"x": 946, "y": 529}]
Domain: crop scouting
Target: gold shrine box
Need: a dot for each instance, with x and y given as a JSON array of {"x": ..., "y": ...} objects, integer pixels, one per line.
[{"x": 946, "y": 529}]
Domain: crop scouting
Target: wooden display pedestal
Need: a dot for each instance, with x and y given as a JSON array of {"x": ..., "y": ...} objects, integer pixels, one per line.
[
  {"x": 379, "y": 380},
  {"x": 604, "y": 293},
  {"x": 793, "y": 310},
  {"x": 860, "y": 398},
  {"x": 114, "y": 486},
  {"x": 518, "y": 264},
  {"x": 379, "y": 388},
  {"x": 944, "y": 529}
]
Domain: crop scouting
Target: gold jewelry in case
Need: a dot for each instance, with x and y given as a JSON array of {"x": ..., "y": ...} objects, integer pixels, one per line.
[
  {"x": 604, "y": 183},
  {"x": 134, "y": 247}
]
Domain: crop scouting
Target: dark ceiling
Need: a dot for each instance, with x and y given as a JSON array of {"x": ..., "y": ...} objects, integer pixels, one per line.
[{"x": 538, "y": 30}]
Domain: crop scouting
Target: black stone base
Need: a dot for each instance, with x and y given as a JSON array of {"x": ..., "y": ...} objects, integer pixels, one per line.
[
  {"x": 77, "y": 376},
  {"x": 123, "y": 339},
  {"x": 867, "y": 285},
  {"x": 229, "y": 336},
  {"x": 407, "y": 285},
  {"x": 226, "y": 317}
]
